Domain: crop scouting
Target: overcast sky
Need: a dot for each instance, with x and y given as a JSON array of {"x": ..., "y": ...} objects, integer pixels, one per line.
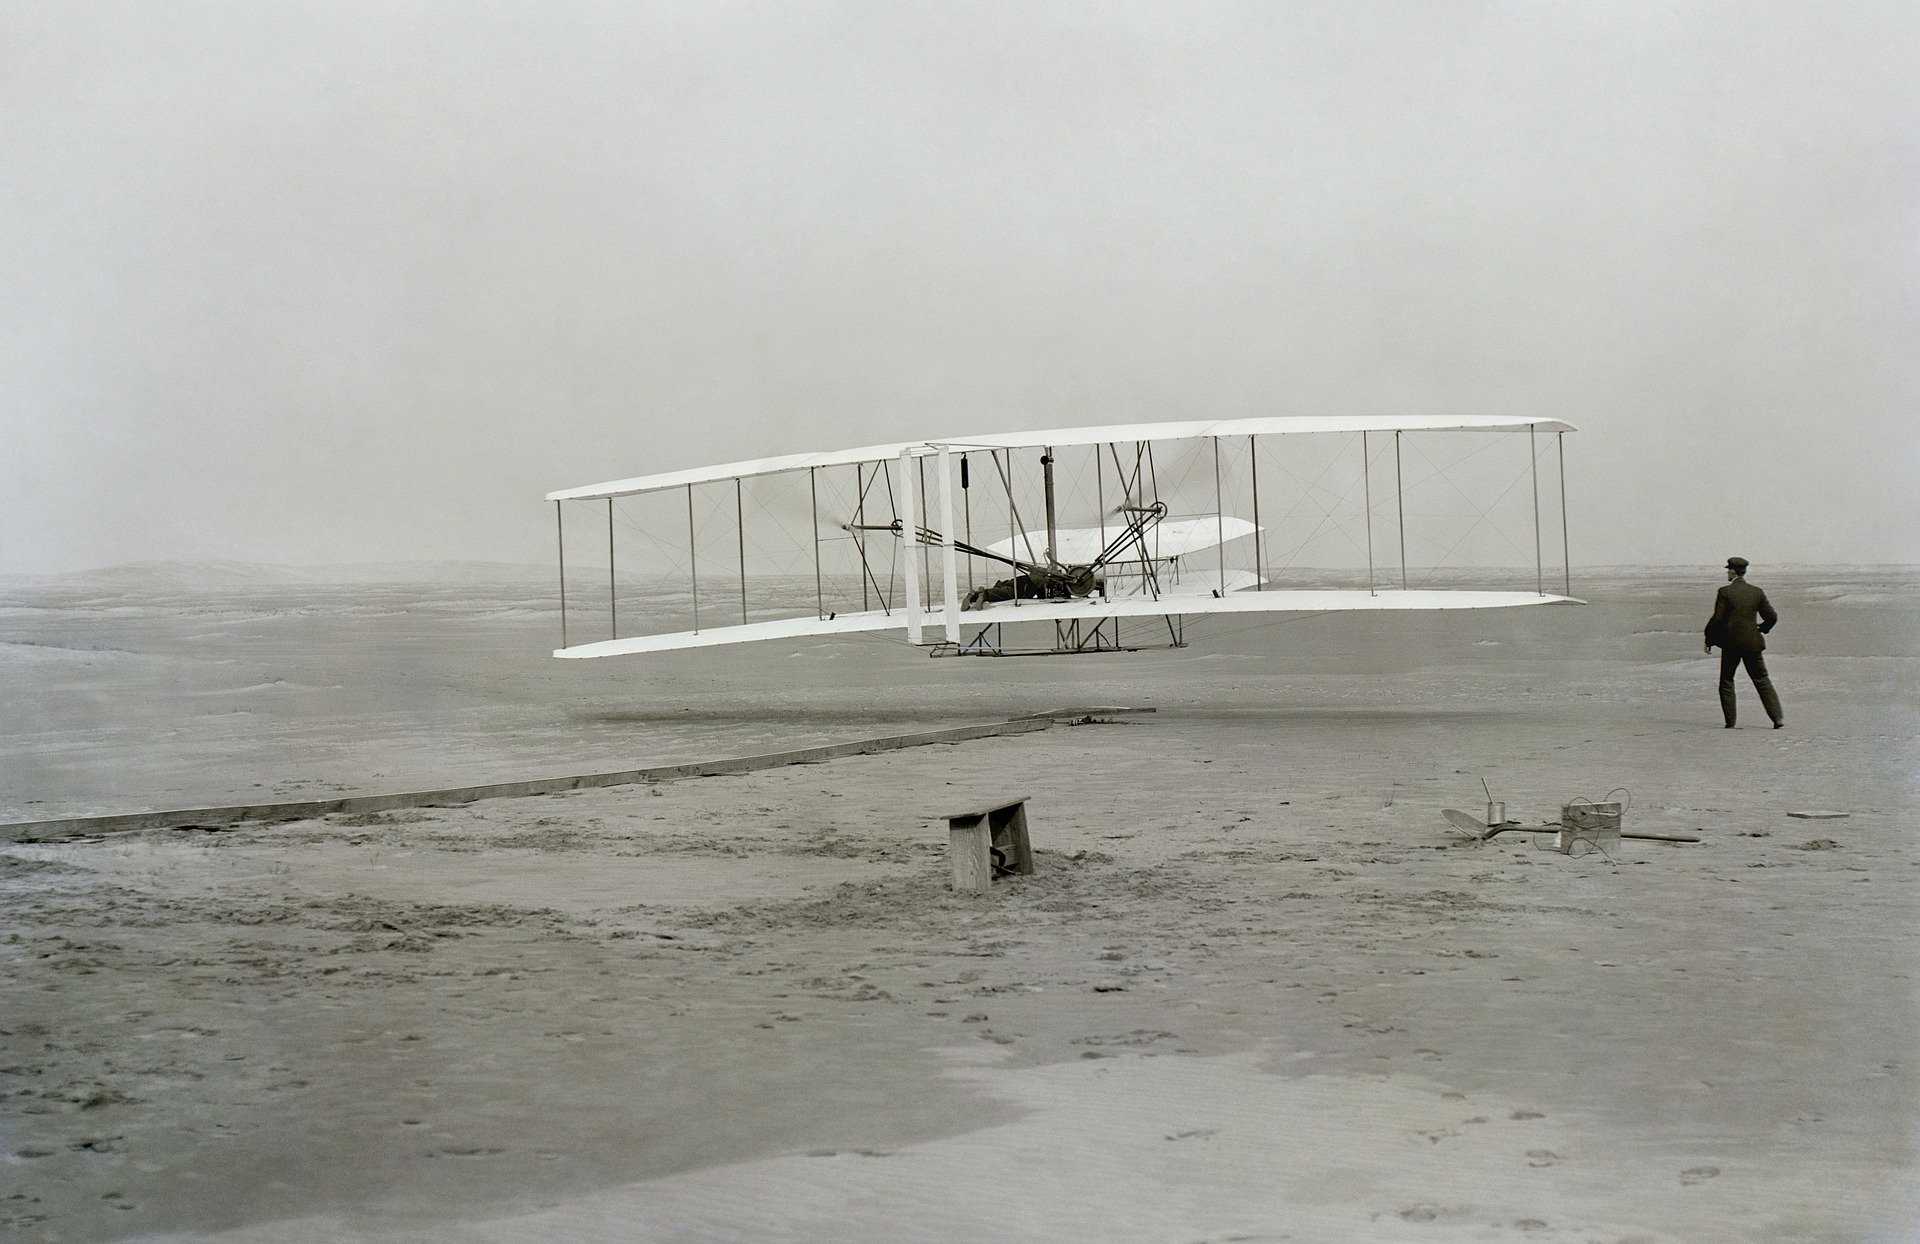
[{"x": 340, "y": 282}]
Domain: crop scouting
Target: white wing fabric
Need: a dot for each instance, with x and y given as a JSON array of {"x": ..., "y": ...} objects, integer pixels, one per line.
[
  {"x": 1126, "y": 433},
  {"x": 1089, "y": 609}
]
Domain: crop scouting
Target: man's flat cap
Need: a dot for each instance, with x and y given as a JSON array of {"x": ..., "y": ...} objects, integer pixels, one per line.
[{"x": 1736, "y": 563}]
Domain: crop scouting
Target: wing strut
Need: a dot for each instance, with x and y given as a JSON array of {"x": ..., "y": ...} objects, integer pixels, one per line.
[
  {"x": 693, "y": 562},
  {"x": 813, "y": 496},
  {"x": 740, "y": 529},
  {"x": 1013, "y": 517},
  {"x": 560, "y": 529},
  {"x": 860, "y": 516},
  {"x": 1013, "y": 510},
  {"x": 966, "y": 504},
  {"x": 1100, "y": 494},
  {"x": 1566, "y": 557},
  {"x": 1366, "y": 480},
  {"x": 854, "y": 529},
  {"x": 1259, "y": 567},
  {"x": 1219, "y": 516},
  {"x": 912, "y": 577},
  {"x": 1147, "y": 573},
  {"x": 1046, "y": 475},
  {"x": 1533, "y": 464},
  {"x": 1400, "y": 510},
  {"x": 949, "y": 573}
]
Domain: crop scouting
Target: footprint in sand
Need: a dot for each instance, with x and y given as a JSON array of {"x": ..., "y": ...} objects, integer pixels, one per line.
[
  {"x": 1698, "y": 1174},
  {"x": 1526, "y": 1114},
  {"x": 95, "y": 1144},
  {"x": 1542, "y": 1157}
]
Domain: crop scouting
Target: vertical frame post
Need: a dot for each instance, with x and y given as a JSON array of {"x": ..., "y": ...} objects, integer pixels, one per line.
[
  {"x": 966, "y": 504},
  {"x": 1533, "y": 466},
  {"x": 613, "y": 584},
  {"x": 1013, "y": 530},
  {"x": 859, "y": 519},
  {"x": 1259, "y": 564},
  {"x": 1219, "y": 519},
  {"x": 910, "y": 532},
  {"x": 1566, "y": 557},
  {"x": 1144, "y": 449},
  {"x": 560, "y": 530},
  {"x": 1366, "y": 477},
  {"x": 813, "y": 507},
  {"x": 1100, "y": 497},
  {"x": 926, "y": 571},
  {"x": 693, "y": 561},
  {"x": 1046, "y": 469},
  {"x": 1400, "y": 511},
  {"x": 740, "y": 531},
  {"x": 949, "y": 573}
]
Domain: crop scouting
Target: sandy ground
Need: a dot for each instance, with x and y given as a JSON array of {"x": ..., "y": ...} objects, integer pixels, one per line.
[{"x": 1256, "y": 990}]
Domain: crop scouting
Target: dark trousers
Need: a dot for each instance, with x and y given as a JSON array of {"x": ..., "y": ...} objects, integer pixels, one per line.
[{"x": 1756, "y": 663}]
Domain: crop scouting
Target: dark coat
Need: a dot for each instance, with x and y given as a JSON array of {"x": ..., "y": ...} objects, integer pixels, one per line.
[{"x": 1732, "y": 625}]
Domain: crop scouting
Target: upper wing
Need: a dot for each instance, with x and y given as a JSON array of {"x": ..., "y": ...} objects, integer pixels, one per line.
[{"x": 1118, "y": 433}]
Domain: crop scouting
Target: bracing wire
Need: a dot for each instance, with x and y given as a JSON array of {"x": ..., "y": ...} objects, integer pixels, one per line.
[
  {"x": 1474, "y": 526},
  {"x": 1327, "y": 514}
]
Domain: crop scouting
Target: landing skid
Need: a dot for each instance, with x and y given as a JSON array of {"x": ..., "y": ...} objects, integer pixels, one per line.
[{"x": 1070, "y": 638}]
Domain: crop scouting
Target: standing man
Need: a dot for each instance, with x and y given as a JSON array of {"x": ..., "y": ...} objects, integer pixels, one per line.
[{"x": 1741, "y": 641}]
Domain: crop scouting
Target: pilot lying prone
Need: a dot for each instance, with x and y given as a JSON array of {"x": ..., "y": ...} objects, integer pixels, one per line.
[{"x": 1063, "y": 584}]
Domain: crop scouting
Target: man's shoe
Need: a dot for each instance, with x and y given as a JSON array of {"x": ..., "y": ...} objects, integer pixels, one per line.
[
  {"x": 1779, "y": 725},
  {"x": 1730, "y": 726}
]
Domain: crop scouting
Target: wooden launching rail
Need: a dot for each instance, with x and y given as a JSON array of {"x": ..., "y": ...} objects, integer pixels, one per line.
[{"x": 300, "y": 810}]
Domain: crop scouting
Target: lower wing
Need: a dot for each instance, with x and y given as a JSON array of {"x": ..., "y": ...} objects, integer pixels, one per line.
[{"x": 1090, "y": 608}]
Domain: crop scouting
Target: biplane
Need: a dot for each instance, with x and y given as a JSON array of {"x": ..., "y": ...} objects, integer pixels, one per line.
[{"x": 1100, "y": 539}]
